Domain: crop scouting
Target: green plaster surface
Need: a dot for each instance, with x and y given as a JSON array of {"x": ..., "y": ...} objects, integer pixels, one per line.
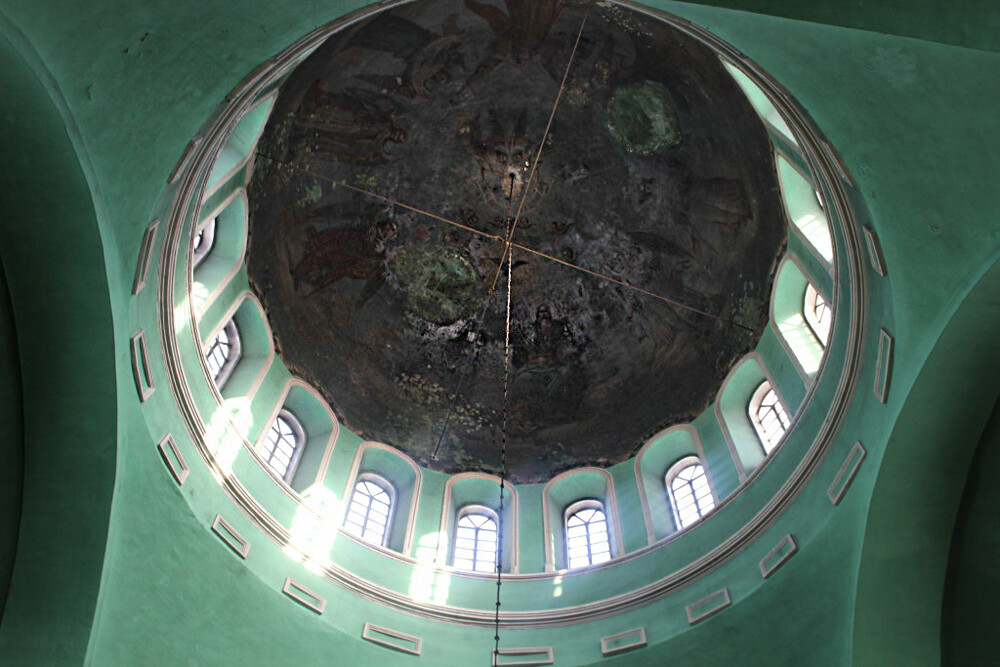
[{"x": 95, "y": 122}]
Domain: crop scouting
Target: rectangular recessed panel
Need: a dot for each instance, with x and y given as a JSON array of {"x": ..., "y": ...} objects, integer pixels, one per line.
[
  {"x": 883, "y": 367},
  {"x": 185, "y": 156},
  {"x": 524, "y": 657},
  {"x": 142, "y": 263},
  {"x": 778, "y": 556},
  {"x": 708, "y": 606},
  {"x": 623, "y": 641},
  {"x": 304, "y": 596},
  {"x": 140, "y": 366},
  {"x": 172, "y": 457},
  {"x": 228, "y": 534},
  {"x": 874, "y": 251},
  {"x": 838, "y": 163},
  {"x": 394, "y": 639},
  {"x": 846, "y": 473}
]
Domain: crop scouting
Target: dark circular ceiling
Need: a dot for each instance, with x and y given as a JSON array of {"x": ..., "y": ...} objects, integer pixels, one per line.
[{"x": 656, "y": 173}]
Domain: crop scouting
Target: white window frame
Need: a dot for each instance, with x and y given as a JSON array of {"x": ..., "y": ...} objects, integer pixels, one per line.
[
  {"x": 232, "y": 332},
  {"x": 299, "y": 446},
  {"x": 389, "y": 489},
  {"x": 811, "y": 303},
  {"x": 207, "y": 233},
  {"x": 782, "y": 413},
  {"x": 569, "y": 513},
  {"x": 668, "y": 479},
  {"x": 480, "y": 510}
]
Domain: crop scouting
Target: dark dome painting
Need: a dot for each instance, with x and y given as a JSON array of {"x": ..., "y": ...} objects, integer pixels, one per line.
[{"x": 401, "y": 153}]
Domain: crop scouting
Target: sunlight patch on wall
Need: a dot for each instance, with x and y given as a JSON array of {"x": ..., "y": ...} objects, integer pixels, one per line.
[{"x": 314, "y": 528}]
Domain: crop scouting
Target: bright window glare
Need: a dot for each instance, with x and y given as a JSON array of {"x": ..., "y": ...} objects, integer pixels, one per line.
[
  {"x": 368, "y": 513},
  {"x": 587, "y": 540},
  {"x": 691, "y": 495},
  {"x": 476, "y": 543}
]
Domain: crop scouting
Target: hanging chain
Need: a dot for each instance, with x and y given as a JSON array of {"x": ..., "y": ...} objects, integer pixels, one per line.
[{"x": 503, "y": 444}]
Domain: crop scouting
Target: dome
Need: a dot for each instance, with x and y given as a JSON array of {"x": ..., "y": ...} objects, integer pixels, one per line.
[
  {"x": 179, "y": 489},
  {"x": 649, "y": 227}
]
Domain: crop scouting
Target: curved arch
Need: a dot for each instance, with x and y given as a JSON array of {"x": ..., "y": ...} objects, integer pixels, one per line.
[
  {"x": 788, "y": 319},
  {"x": 257, "y": 347},
  {"x": 913, "y": 506},
  {"x": 479, "y": 488},
  {"x": 53, "y": 215},
  {"x": 407, "y": 491},
  {"x": 731, "y": 411},
  {"x": 558, "y": 494},
  {"x": 652, "y": 461},
  {"x": 321, "y": 428}
]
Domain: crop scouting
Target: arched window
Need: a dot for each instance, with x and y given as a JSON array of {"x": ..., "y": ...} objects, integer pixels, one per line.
[
  {"x": 204, "y": 239},
  {"x": 817, "y": 313},
  {"x": 370, "y": 509},
  {"x": 768, "y": 416},
  {"x": 587, "y": 539},
  {"x": 283, "y": 445},
  {"x": 223, "y": 353},
  {"x": 689, "y": 491},
  {"x": 476, "y": 540}
]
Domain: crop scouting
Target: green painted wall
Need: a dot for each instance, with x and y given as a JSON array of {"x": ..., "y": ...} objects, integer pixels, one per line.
[{"x": 96, "y": 120}]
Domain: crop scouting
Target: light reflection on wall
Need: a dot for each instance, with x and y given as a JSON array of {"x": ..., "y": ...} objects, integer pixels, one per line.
[
  {"x": 803, "y": 343},
  {"x": 428, "y": 584},
  {"x": 222, "y": 432},
  {"x": 314, "y": 528}
]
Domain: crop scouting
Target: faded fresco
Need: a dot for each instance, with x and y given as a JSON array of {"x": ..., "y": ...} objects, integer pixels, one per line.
[{"x": 656, "y": 172}]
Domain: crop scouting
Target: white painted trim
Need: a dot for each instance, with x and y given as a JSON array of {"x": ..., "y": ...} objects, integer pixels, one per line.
[
  {"x": 210, "y": 298},
  {"x": 145, "y": 254},
  {"x": 784, "y": 549},
  {"x": 724, "y": 426},
  {"x": 412, "y": 512},
  {"x": 829, "y": 265},
  {"x": 447, "y": 525},
  {"x": 370, "y": 628},
  {"x": 883, "y": 366},
  {"x": 549, "y": 658},
  {"x": 638, "y": 643},
  {"x": 874, "y": 247},
  {"x": 641, "y": 484},
  {"x": 141, "y": 371},
  {"x": 188, "y": 191},
  {"x": 180, "y": 470},
  {"x": 301, "y": 594},
  {"x": 331, "y": 440},
  {"x": 230, "y": 536},
  {"x": 185, "y": 157},
  {"x": 212, "y": 188},
  {"x": 807, "y": 379},
  {"x": 675, "y": 469},
  {"x": 696, "y": 613},
  {"x": 244, "y": 296},
  {"x": 610, "y": 512},
  {"x": 842, "y": 481}
]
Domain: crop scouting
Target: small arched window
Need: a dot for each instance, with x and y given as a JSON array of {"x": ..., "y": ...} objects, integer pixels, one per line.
[
  {"x": 768, "y": 416},
  {"x": 587, "y": 541},
  {"x": 476, "y": 540},
  {"x": 818, "y": 315},
  {"x": 203, "y": 241},
  {"x": 370, "y": 509},
  {"x": 690, "y": 494},
  {"x": 223, "y": 353},
  {"x": 284, "y": 444}
]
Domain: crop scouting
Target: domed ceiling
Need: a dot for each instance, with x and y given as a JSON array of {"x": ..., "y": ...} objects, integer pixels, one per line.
[{"x": 656, "y": 173}]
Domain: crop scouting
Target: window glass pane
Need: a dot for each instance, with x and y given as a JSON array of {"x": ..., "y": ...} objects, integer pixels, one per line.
[
  {"x": 587, "y": 539},
  {"x": 369, "y": 512},
  {"x": 475, "y": 543}
]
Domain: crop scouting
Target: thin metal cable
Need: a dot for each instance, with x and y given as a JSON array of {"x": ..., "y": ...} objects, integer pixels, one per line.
[
  {"x": 513, "y": 244},
  {"x": 503, "y": 449}
]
